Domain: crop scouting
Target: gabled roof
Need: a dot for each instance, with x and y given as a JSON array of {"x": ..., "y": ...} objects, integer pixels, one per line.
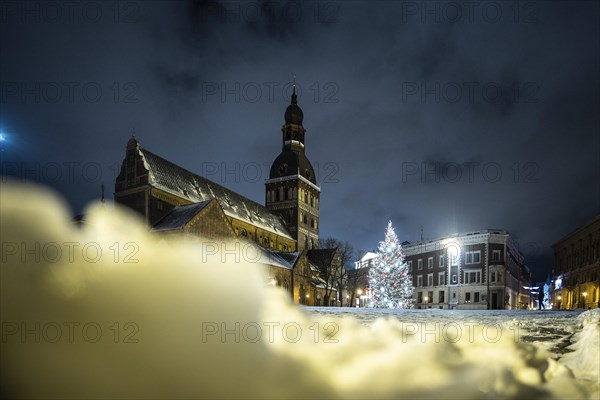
[
  {"x": 180, "y": 182},
  {"x": 179, "y": 216},
  {"x": 321, "y": 257}
]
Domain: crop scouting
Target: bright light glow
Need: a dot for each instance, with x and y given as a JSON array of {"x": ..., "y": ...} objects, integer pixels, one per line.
[
  {"x": 584, "y": 294},
  {"x": 272, "y": 282},
  {"x": 359, "y": 291},
  {"x": 2, "y": 137}
]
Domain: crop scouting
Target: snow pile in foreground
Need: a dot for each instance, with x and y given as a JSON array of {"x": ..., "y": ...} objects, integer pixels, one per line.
[
  {"x": 110, "y": 311},
  {"x": 585, "y": 359}
]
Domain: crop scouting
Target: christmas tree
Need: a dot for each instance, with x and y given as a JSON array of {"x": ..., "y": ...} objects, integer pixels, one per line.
[{"x": 390, "y": 283}]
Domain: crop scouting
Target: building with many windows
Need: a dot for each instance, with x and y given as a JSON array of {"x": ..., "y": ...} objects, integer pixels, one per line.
[
  {"x": 577, "y": 268},
  {"x": 476, "y": 270},
  {"x": 285, "y": 231}
]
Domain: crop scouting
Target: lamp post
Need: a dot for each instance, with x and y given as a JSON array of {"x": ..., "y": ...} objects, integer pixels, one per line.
[
  {"x": 359, "y": 293},
  {"x": 584, "y": 299}
]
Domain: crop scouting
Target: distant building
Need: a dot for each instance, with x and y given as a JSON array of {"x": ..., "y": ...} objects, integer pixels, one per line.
[
  {"x": 285, "y": 232},
  {"x": 470, "y": 271},
  {"x": 577, "y": 268},
  {"x": 358, "y": 279}
]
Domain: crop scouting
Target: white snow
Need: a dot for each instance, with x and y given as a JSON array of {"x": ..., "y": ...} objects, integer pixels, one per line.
[{"x": 178, "y": 324}]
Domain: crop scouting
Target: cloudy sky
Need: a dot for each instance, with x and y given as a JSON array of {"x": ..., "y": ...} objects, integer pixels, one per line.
[{"x": 450, "y": 116}]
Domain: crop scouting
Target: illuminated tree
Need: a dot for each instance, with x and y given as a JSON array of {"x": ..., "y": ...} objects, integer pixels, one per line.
[{"x": 390, "y": 283}]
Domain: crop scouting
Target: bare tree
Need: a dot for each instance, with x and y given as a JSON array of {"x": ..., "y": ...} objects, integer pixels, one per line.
[{"x": 339, "y": 273}]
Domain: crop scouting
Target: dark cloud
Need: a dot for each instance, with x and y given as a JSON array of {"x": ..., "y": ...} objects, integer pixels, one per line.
[{"x": 398, "y": 97}]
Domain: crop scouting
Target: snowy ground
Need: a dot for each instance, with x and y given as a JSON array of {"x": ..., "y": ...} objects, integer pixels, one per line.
[
  {"x": 569, "y": 337},
  {"x": 169, "y": 321}
]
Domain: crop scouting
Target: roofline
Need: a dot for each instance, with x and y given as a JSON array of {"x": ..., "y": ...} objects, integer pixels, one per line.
[
  {"x": 290, "y": 177},
  {"x": 460, "y": 234},
  {"x": 577, "y": 230}
]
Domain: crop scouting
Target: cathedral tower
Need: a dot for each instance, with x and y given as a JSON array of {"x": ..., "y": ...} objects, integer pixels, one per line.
[{"x": 291, "y": 190}]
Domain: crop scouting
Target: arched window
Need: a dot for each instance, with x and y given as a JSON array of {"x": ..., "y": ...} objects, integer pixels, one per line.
[
  {"x": 305, "y": 219},
  {"x": 312, "y": 223},
  {"x": 312, "y": 201},
  {"x": 281, "y": 194},
  {"x": 306, "y": 197},
  {"x": 289, "y": 193}
]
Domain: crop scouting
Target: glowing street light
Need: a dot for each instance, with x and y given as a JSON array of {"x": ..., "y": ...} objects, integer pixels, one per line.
[{"x": 359, "y": 292}]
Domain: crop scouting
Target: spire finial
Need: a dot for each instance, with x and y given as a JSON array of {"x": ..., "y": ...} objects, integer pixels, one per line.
[
  {"x": 133, "y": 133},
  {"x": 294, "y": 97}
]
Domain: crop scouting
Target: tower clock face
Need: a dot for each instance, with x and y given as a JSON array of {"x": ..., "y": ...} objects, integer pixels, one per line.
[{"x": 283, "y": 168}]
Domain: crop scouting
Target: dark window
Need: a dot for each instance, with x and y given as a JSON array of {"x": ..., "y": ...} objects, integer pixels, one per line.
[
  {"x": 419, "y": 297},
  {"x": 430, "y": 297},
  {"x": 468, "y": 297},
  {"x": 476, "y": 297},
  {"x": 441, "y": 296}
]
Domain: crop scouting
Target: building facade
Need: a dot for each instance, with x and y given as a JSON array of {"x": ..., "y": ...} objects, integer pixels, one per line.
[
  {"x": 291, "y": 190},
  {"x": 471, "y": 271},
  {"x": 174, "y": 201},
  {"x": 577, "y": 268}
]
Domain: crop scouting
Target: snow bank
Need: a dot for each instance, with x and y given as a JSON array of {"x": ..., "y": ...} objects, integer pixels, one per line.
[
  {"x": 584, "y": 361},
  {"x": 110, "y": 311}
]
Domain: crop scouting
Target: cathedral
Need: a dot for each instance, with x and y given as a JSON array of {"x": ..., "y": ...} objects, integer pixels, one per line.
[{"x": 175, "y": 201}]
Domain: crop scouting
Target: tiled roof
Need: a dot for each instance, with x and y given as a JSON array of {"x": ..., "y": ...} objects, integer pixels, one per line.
[
  {"x": 180, "y": 182},
  {"x": 179, "y": 216}
]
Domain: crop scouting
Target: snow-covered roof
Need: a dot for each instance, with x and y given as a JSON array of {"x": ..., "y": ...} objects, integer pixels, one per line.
[
  {"x": 179, "y": 216},
  {"x": 180, "y": 182},
  {"x": 277, "y": 258}
]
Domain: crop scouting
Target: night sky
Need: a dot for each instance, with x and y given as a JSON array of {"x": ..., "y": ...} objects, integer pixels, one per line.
[{"x": 453, "y": 116}]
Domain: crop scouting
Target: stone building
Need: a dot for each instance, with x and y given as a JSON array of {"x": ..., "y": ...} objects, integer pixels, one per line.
[
  {"x": 475, "y": 270},
  {"x": 577, "y": 268},
  {"x": 285, "y": 232}
]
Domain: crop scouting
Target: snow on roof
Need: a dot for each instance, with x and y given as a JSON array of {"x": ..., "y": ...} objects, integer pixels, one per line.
[
  {"x": 179, "y": 216},
  {"x": 277, "y": 258},
  {"x": 180, "y": 182}
]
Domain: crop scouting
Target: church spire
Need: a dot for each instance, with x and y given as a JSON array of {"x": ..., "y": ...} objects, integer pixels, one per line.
[{"x": 294, "y": 97}]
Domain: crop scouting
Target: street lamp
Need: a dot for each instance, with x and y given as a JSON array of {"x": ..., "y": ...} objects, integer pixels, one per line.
[
  {"x": 425, "y": 299},
  {"x": 348, "y": 300},
  {"x": 584, "y": 298}
]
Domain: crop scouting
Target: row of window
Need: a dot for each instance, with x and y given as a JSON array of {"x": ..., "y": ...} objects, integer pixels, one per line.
[
  {"x": 468, "y": 277},
  {"x": 470, "y": 257},
  {"x": 580, "y": 256},
  {"x": 429, "y": 297},
  {"x": 304, "y": 220},
  {"x": 282, "y": 194},
  {"x": 470, "y": 297}
]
